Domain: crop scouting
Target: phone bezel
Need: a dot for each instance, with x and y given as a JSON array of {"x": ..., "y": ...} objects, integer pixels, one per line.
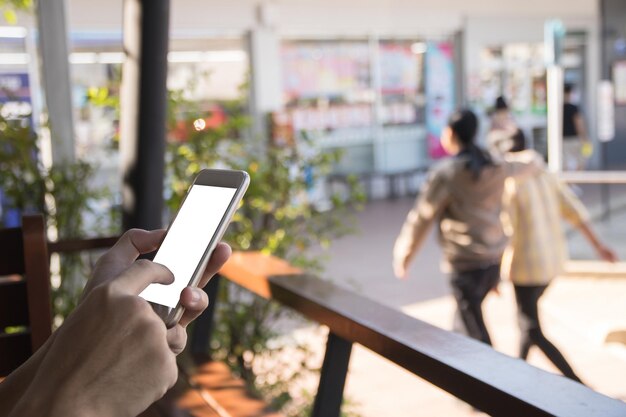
[{"x": 217, "y": 178}]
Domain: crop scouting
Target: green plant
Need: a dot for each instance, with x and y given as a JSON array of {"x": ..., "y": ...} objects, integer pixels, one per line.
[
  {"x": 11, "y": 7},
  {"x": 62, "y": 193},
  {"x": 21, "y": 172},
  {"x": 69, "y": 189},
  {"x": 277, "y": 218}
]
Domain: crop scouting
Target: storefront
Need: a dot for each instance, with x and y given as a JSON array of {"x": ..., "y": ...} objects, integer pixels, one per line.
[
  {"x": 509, "y": 60},
  {"x": 365, "y": 96}
]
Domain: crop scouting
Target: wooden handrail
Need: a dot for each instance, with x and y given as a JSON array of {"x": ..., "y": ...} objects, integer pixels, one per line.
[
  {"x": 474, "y": 372},
  {"x": 77, "y": 245},
  {"x": 471, "y": 371}
]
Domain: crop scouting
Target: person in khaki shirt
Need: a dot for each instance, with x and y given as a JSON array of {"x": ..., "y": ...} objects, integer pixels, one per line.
[
  {"x": 532, "y": 212},
  {"x": 463, "y": 196}
]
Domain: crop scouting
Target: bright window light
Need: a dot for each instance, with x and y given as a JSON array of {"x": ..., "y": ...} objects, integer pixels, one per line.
[
  {"x": 14, "y": 59},
  {"x": 12, "y": 32},
  {"x": 212, "y": 56},
  {"x": 419, "y": 48},
  {"x": 83, "y": 58}
]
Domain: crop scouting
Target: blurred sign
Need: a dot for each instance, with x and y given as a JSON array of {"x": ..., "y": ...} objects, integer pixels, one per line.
[
  {"x": 619, "y": 79},
  {"x": 399, "y": 68},
  {"x": 15, "y": 96},
  {"x": 554, "y": 33},
  {"x": 606, "y": 111},
  {"x": 325, "y": 69},
  {"x": 15, "y": 104},
  {"x": 439, "y": 93}
]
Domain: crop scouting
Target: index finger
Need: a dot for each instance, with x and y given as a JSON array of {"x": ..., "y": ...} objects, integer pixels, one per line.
[
  {"x": 140, "y": 274},
  {"x": 218, "y": 258},
  {"x": 132, "y": 244}
]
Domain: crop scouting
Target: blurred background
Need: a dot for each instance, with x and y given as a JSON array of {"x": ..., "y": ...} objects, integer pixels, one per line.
[{"x": 345, "y": 101}]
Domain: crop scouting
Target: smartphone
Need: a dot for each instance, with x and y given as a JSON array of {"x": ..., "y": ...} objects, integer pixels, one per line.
[{"x": 192, "y": 236}]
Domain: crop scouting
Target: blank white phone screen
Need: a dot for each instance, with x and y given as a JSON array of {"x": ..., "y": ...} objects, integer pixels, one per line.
[{"x": 187, "y": 239}]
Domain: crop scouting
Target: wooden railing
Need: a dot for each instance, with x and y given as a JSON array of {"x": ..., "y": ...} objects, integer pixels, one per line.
[{"x": 471, "y": 371}]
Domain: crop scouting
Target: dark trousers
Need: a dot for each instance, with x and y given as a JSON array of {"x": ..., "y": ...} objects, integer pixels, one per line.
[
  {"x": 528, "y": 318},
  {"x": 470, "y": 289}
]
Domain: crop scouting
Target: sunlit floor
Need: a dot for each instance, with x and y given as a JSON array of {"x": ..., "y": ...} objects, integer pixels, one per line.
[{"x": 577, "y": 314}]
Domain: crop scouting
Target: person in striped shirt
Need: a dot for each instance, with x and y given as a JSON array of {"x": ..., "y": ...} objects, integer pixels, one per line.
[{"x": 533, "y": 208}]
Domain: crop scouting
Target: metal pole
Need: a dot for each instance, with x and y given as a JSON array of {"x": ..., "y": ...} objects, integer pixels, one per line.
[
  {"x": 144, "y": 106},
  {"x": 606, "y": 75},
  {"x": 606, "y": 196}
]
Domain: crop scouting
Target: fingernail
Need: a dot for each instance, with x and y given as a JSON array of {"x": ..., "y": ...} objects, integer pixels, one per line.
[{"x": 195, "y": 296}]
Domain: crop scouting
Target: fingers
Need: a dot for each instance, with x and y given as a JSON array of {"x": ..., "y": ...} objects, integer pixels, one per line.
[
  {"x": 611, "y": 256},
  {"x": 400, "y": 271},
  {"x": 195, "y": 301},
  {"x": 218, "y": 258},
  {"x": 132, "y": 244},
  {"x": 177, "y": 338},
  {"x": 141, "y": 274},
  {"x": 496, "y": 290}
]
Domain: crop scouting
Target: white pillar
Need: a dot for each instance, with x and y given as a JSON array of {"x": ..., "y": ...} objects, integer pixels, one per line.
[
  {"x": 555, "y": 118},
  {"x": 55, "y": 71},
  {"x": 265, "y": 76}
]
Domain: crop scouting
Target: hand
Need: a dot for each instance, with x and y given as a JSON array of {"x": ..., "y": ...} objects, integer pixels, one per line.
[
  {"x": 400, "y": 269},
  {"x": 133, "y": 243},
  {"x": 136, "y": 242},
  {"x": 496, "y": 289},
  {"x": 110, "y": 357},
  {"x": 606, "y": 253},
  {"x": 194, "y": 300}
]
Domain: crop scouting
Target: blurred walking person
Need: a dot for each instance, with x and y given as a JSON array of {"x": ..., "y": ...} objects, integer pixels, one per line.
[
  {"x": 463, "y": 195},
  {"x": 577, "y": 147},
  {"x": 503, "y": 122},
  {"x": 532, "y": 211}
]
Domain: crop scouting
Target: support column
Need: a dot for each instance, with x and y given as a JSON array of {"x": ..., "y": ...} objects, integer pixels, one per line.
[
  {"x": 555, "y": 118},
  {"x": 55, "y": 71},
  {"x": 144, "y": 107},
  {"x": 265, "y": 77}
]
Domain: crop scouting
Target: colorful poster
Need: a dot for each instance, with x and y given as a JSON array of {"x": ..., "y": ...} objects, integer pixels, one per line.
[
  {"x": 325, "y": 69},
  {"x": 398, "y": 69},
  {"x": 439, "y": 93}
]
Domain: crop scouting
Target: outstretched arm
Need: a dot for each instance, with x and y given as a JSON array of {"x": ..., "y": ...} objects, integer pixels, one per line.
[
  {"x": 604, "y": 252},
  {"x": 575, "y": 213},
  {"x": 433, "y": 198}
]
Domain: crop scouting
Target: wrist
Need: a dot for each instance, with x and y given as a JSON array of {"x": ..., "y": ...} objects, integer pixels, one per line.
[{"x": 61, "y": 406}]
